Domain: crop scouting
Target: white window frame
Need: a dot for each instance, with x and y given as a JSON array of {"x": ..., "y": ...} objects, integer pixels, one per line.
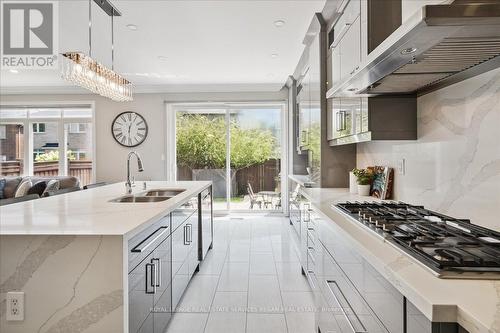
[
  {"x": 28, "y": 122},
  {"x": 37, "y": 125},
  {"x": 170, "y": 141}
]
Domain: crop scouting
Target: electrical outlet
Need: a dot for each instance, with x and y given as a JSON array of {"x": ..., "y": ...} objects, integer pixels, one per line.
[
  {"x": 401, "y": 167},
  {"x": 15, "y": 306}
]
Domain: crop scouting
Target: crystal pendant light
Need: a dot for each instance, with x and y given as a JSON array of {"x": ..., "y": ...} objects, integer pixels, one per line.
[{"x": 82, "y": 70}]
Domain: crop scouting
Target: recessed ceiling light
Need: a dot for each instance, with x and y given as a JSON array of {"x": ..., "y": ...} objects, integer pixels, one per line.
[
  {"x": 274, "y": 55},
  {"x": 14, "y": 71},
  {"x": 279, "y": 23},
  {"x": 162, "y": 58},
  {"x": 132, "y": 27}
]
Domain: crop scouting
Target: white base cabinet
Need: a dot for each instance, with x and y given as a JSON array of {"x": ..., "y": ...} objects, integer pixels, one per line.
[{"x": 350, "y": 294}]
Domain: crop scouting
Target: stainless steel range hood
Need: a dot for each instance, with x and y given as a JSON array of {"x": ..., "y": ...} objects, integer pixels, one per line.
[{"x": 438, "y": 46}]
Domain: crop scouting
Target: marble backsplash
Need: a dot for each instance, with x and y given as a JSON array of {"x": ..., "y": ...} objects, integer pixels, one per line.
[{"x": 454, "y": 166}]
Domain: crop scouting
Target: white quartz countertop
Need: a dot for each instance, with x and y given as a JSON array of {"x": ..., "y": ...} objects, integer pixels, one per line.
[
  {"x": 474, "y": 304},
  {"x": 90, "y": 212}
]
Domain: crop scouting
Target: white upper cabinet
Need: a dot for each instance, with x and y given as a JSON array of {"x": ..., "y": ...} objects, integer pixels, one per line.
[
  {"x": 346, "y": 46},
  {"x": 350, "y": 50}
]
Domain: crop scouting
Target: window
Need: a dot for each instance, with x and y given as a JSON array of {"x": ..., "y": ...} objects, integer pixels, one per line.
[
  {"x": 77, "y": 128},
  {"x": 38, "y": 128},
  {"x": 37, "y": 153},
  {"x": 77, "y": 155},
  {"x": 12, "y": 150},
  {"x": 66, "y": 132}
]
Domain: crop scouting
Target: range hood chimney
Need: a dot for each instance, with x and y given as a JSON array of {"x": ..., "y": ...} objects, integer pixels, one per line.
[{"x": 438, "y": 46}]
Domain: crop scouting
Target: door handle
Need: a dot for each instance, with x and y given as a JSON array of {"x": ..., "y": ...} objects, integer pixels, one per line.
[
  {"x": 151, "y": 272},
  {"x": 359, "y": 327},
  {"x": 157, "y": 271}
]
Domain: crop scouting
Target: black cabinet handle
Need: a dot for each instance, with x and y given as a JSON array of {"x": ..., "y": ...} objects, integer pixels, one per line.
[
  {"x": 150, "y": 283},
  {"x": 157, "y": 271}
]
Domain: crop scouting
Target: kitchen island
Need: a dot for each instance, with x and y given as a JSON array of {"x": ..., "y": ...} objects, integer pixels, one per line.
[
  {"x": 385, "y": 275},
  {"x": 85, "y": 262}
]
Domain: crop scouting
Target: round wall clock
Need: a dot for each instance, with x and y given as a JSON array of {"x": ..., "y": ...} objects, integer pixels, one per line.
[{"x": 129, "y": 129}]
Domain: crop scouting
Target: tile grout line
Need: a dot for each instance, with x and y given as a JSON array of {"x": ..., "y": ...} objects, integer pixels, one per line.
[
  {"x": 216, "y": 287},
  {"x": 279, "y": 284}
]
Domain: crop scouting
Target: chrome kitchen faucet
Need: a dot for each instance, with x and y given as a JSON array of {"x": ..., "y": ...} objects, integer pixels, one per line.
[{"x": 128, "y": 183}]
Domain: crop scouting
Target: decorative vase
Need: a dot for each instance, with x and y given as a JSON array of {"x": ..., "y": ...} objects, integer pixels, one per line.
[
  {"x": 353, "y": 188},
  {"x": 364, "y": 190}
]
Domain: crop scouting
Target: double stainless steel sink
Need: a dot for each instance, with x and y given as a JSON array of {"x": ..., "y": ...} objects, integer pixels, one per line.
[{"x": 155, "y": 195}]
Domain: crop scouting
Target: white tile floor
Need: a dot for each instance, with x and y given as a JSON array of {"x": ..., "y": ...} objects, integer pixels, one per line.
[{"x": 250, "y": 282}]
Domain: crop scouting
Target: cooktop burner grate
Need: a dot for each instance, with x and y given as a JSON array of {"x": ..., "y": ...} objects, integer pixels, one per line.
[{"x": 441, "y": 242}]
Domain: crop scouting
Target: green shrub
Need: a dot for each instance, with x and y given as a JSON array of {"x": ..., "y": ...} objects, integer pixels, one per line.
[
  {"x": 201, "y": 143},
  {"x": 53, "y": 155}
]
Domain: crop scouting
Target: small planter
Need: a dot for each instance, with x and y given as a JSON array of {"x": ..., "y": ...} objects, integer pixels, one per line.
[{"x": 364, "y": 190}]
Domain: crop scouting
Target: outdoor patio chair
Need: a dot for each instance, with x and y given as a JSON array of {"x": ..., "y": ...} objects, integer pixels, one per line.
[
  {"x": 253, "y": 198},
  {"x": 278, "y": 204}
]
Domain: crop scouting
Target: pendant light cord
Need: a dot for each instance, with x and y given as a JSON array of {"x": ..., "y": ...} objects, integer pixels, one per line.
[
  {"x": 90, "y": 28},
  {"x": 112, "y": 40}
]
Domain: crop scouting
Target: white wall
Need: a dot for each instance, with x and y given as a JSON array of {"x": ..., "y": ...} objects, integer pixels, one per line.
[
  {"x": 454, "y": 166},
  {"x": 111, "y": 157}
]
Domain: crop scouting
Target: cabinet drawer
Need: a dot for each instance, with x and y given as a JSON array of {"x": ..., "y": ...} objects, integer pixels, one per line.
[
  {"x": 142, "y": 244},
  {"x": 383, "y": 299},
  {"x": 344, "y": 302},
  {"x": 179, "y": 216}
]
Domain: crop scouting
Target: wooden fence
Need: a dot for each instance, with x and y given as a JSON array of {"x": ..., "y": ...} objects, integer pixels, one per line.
[
  {"x": 80, "y": 169},
  {"x": 262, "y": 177}
]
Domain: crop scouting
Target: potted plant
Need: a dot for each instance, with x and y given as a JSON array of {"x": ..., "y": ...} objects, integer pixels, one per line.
[{"x": 364, "y": 178}]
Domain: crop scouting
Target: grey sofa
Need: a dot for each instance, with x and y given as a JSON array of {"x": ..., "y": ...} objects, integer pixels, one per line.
[{"x": 66, "y": 184}]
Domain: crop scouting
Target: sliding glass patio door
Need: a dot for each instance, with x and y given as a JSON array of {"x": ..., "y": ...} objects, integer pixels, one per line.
[{"x": 236, "y": 146}]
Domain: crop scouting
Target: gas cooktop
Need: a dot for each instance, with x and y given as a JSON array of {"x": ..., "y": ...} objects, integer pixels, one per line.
[{"x": 452, "y": 248}]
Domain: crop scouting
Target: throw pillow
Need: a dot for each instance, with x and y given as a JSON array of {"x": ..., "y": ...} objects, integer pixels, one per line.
[
  {"x": 23, "y": 188},
  {"x": 52, "y": 186},
  {"x": 3, "y": 181},
  {"x": 38, "y": 188}
]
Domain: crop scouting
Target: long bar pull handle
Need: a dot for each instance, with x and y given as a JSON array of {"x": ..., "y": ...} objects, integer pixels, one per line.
[
  {"x": 142, "y": 246},
  {"x": 157, "y": 263},
  {"x": 150, "y": 283},
  {"x": 333, "y": 285},
  {"x": 342, "y": 120},
  {"x": 307, "y": 213},
  {"x": 186, "y": 241},
  {"x": 337, "y": 123},
  {"x": 190, "y": 228}
]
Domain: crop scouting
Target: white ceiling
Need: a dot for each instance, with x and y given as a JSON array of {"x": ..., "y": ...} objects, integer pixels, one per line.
[{"x": 208, "y": 45}]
